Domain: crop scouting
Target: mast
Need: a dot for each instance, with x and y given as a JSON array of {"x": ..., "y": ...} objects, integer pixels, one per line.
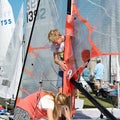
[
  {"x": 66, "y": 84},
  {"x": 69, "y": 7}
]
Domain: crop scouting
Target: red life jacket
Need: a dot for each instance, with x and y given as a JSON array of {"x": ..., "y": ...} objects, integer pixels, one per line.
[{"x": 29, "y": 104}]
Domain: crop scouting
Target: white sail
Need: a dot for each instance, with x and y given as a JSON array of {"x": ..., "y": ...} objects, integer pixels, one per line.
[
  {"x": 7, "y": 25},
  {"x": 36, "y": 68},
  {"x": 12, "y": 64}
]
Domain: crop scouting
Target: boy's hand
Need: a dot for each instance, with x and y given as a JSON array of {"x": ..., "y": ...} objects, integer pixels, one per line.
[{"x": 63, "y": 65}]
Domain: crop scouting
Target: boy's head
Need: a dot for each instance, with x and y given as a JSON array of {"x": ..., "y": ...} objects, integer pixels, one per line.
[{"x": 53, "y": 35}]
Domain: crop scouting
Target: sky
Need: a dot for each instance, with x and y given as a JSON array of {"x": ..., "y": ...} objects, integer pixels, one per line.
[{"x": 16, "y": 5}]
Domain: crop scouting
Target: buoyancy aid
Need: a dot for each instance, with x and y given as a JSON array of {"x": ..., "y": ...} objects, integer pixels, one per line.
[{"x": 29, "y": 104}]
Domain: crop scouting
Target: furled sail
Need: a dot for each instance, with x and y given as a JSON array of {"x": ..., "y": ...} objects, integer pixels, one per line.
[{"x": 12, "y": 64}]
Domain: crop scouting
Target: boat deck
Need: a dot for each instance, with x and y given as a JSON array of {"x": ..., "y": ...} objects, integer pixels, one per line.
[
  {"x": 94, "y": 114},
  {"x": 85, "y": 114}
]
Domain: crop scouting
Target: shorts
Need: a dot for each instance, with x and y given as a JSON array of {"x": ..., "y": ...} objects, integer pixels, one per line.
[
  {"x": 20, "y": 114},
  {"x": 60, "y": 79}
]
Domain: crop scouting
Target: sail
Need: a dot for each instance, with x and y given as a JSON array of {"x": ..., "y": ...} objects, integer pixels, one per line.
[
  {"x": 91, "y": 31},
  {"x": 12, "y": 64},
  {"x": 42, "y": 16},
  {"x": 7, "y": 25},
  {"x": 30, "y": 15},
  {"x": 104, "y": 19},
  {"x": 95, "y": 28}
]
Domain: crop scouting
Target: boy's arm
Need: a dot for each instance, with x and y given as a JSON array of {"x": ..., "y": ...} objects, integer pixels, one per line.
[
  {"x": 57, "y": 61},
  {"x": 61, "y": 63}
]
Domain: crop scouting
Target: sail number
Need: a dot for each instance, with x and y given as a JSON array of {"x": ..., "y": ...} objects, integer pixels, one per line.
[
  {"x": 6, "y": 22},
  {"x": 31, "y": 15}
]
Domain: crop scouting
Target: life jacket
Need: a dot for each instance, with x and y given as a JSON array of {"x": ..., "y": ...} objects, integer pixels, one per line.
[{"x": 29, "y": 104}]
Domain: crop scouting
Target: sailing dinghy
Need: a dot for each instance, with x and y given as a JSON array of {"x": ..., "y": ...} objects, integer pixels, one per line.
[{"x": 87, "y": 25}]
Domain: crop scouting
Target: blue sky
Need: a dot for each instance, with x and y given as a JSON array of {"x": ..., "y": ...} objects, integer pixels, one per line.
[{"x": 16, "y": 4}]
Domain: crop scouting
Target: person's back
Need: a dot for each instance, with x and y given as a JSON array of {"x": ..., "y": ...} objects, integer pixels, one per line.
[
  {"x": 29, "y": 104},
  {"x": 42, "y": 105},
  {"x": 99, "y": 71},
  {"x": 86, "y": 74},
  {"x": 99, "y": 74}
]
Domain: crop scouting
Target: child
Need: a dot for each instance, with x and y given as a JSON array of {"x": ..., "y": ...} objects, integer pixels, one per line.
[
  {"x": 42, "y": 105},
  {"x": 57, "y": 47}
]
